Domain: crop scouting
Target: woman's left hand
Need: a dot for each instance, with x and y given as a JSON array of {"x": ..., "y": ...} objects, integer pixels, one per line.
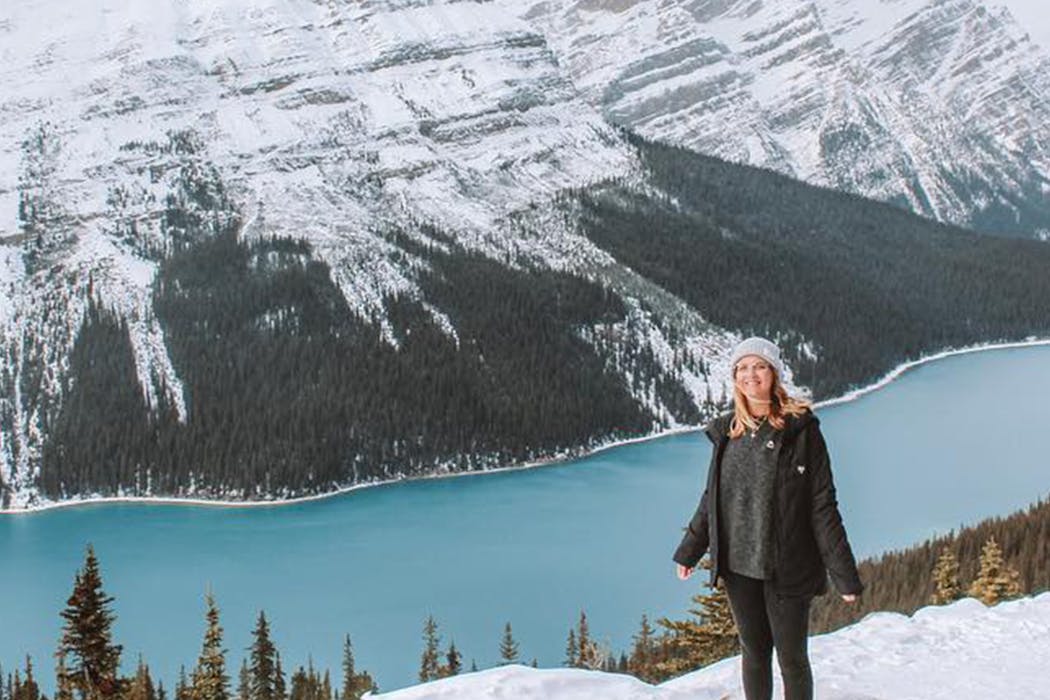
[{"x": 850, "y": 597}]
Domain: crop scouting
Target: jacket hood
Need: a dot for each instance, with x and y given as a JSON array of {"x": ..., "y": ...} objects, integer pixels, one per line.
[{"x": 719, "y": 427}]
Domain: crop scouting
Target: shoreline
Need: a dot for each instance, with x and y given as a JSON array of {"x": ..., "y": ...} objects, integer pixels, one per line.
[{"x": 852, "y": 395}]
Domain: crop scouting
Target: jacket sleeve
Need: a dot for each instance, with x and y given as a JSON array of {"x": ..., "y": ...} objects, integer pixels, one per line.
[
  {"x": 694, "y": 542},
  {"x": 827, "y": 521}
]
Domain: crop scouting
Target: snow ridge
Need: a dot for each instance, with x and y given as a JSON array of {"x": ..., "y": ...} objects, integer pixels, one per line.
[{"x": 961, "y": 650}]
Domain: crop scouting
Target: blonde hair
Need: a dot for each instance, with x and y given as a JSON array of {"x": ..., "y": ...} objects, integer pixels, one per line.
[{"x": 782, "y": 405}]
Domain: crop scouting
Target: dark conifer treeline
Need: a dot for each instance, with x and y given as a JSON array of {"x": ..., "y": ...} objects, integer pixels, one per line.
[
  {"x": 997, "y": 559},
  {"x": 288, "y": 392},
  {"x": 869, "y": 284},
  {"x": 88, "y": 660},
  {"x": 903, "y": 581},
  {"x": 104, "y": 427}
]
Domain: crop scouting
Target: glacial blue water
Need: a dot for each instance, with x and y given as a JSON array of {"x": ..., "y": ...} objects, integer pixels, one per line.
[{"x": 947, "y": 443}]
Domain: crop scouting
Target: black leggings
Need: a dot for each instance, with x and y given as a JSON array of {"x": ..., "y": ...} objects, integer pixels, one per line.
[{"x": 765, "y": 619}]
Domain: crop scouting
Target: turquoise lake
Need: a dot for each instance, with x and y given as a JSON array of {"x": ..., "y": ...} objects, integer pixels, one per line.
[{"x": 947, "y": 443}]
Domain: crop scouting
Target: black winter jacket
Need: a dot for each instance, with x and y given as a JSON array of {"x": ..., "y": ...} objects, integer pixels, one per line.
[{"x": 809, "y": 537}]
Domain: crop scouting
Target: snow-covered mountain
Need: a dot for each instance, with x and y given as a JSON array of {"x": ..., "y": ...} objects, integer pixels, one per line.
[
  {"x": 961, "y": 651},
  {"x": 127, "y": 127},
  {"x": 328, "y": 122},
  {"x": 942, "y": 106}
]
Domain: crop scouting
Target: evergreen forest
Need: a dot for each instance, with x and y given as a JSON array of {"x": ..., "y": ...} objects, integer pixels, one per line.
[
  {"x": 867, "y": 284},
  {"x": 289, "y": 392}
]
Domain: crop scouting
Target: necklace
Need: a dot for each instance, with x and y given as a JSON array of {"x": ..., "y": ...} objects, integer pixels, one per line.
[{"x": 758, "y": 427}]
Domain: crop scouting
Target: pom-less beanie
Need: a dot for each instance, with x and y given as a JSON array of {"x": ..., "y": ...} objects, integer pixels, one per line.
[{"x": 762, "y": 347}]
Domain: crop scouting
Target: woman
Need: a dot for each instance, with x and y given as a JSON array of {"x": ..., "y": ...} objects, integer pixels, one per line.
[{"x": 772, "y": 523}]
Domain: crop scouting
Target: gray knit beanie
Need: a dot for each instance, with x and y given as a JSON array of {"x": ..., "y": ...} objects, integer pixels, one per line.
[{"x": 765, "y": 349}]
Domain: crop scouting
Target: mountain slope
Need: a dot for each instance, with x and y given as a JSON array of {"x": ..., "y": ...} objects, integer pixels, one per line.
[
  {"x": 843, "y": 283},
  {"x": 257, "y": 250},
  {"x": 940, "y": 106},
  {"x": 129, "y": 134},
  {"x": 287, "y": 390}
]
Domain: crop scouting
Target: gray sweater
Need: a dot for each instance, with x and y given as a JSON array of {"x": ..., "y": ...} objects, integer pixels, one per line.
[{"x": 746, "y": 504}]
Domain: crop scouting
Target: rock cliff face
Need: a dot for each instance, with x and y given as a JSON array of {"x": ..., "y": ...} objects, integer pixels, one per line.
[
  {"x": 941, "y": 106},
  {"x": 325, "y": 116}
]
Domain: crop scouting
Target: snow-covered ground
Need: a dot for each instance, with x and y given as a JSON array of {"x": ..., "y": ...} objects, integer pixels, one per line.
[{"x": 957, "y": 652}]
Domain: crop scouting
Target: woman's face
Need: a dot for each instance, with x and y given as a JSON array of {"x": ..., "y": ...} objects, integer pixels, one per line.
[{"x": 754, "y": 377}]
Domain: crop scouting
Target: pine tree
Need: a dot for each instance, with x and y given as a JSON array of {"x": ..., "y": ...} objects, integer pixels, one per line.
[
  {"x": 141, "y": 685},
  {"x": 428, "y": 665},
  {"x": 354, "y": 684},
  {"x": 508, "y": 648},
  {"x": 41, "y": 216},
  {"x": 27, "y": 689},
  {"x": 279, "y": 692},
  {"x": 584, "y": 657},
  {"x": 350, "y": 690},
  {"x": 210, "y": 681},
  {"x": 572, "y": 653},
  {"x": 63, "y": 683},
  {"x": 453, "y": 661},
  {"x": 946, "y": 579},
  {"x": 306, "y": 684},
  {"x": 694, "y": 643},
  {"x": 640, "y": 663},
  {"x": 301, "y": 689},
  {"x": 183, "y": 688},
  {"x": 244, "y": 682},
  {"x": 995, "y": 581},
  {"x": 262, "y": 669},
  {"x": 90, "y": 658},
  {"x": 589, "y": 655}
]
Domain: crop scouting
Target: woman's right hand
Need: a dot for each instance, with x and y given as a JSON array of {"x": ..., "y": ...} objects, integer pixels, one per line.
[{"x": 683, "y": 572}]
